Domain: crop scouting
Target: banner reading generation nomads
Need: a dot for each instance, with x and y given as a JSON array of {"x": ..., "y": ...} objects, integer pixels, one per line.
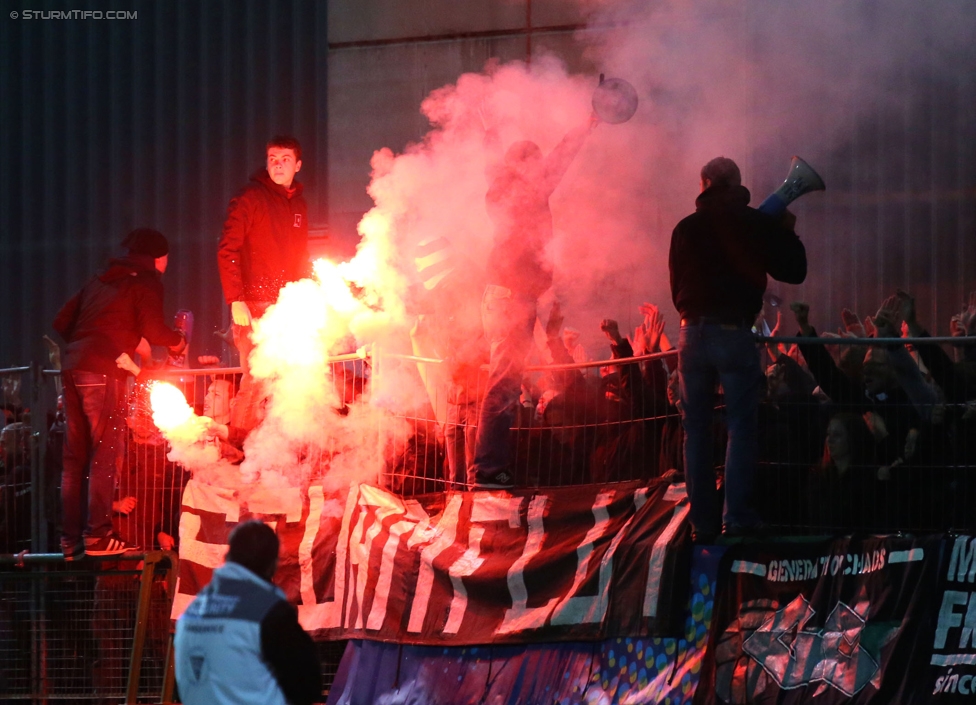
[{"x": 827, "y": 622}]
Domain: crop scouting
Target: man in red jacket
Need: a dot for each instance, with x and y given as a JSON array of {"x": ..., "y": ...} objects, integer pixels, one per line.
[
  {"x": 100, "y": 323},
  {"x": 264, "y": 246}
]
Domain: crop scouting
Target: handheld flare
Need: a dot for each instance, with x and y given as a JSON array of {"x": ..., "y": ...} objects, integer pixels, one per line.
[{"x": 169, "y": 407}]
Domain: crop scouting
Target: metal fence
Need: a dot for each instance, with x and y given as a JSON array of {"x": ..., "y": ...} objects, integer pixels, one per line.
[
  {"x": 68, "y": 631},
  {"x": 903, "y": 433},
  {"x": 854, "y": 435},
  {"x": 577, "y": 423},
  {"x": 96, "y": 630},
  {"x": 600, "y": 421}
]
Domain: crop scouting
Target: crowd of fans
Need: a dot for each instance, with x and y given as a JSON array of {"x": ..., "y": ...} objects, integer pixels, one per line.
[{"x": 853, "y": 435}]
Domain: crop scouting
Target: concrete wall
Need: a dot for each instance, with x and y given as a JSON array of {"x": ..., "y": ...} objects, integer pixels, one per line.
[
  {"x": 386, "y": 56},
  {"x": 900, "y": 206}
]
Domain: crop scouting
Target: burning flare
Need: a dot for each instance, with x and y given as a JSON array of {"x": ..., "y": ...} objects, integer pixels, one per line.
[
  {"x": 173, "y": 416},
  {"x": 169, "y": 407}
]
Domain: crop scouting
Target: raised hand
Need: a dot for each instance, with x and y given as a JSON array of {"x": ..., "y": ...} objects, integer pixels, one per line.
[
  {"x": 834, "y": 350},
  {"x": 907, "y": 307},
  {"x": 801, "y": 310},
  {"x": 640, "y": 340},
  {"x": 957, "y": 329},
  {"x": 612, "y": 330},
  {"x": 647, "y": 309},
  {"x": 654, "y": 324},
  {"x": 891, "y": 310},
  {"x": 852, "y": 324},
  {"x": 886, "y": 325},
  {"x": 555, "y": 322},
  {"x": 53, "y": 353},
  {"x": 968, "y": 316},
  {"x": 776, "y": 349},
  {"x": 870, "y": 329}
]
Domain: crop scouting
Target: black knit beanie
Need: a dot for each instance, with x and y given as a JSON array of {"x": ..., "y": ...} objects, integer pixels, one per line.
[{"x": 145, "y": 241}]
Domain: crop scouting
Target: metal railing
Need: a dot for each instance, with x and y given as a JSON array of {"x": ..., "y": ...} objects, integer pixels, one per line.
[
  {"x": 602, "y": 421},
  {"x": 911, "y": 465},
  {"x": 68, "y": 630},
  {"x": 94, "y": 629}
]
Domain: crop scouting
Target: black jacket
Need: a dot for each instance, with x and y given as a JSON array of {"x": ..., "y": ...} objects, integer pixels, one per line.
[
  {"x": 111, "y": 313},
  {"x": 721, "y": 254},
  {"x": 265, "y": 241}
]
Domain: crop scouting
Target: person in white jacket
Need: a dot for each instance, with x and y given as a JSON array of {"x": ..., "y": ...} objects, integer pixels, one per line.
[{"x": 239, "y": 641}]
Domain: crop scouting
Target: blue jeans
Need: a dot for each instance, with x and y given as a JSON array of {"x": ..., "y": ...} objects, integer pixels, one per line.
[
  {"x": 508, "y": 320},
  {"x": 710, "y": 353},
  {"x": 94, "y": 408}
]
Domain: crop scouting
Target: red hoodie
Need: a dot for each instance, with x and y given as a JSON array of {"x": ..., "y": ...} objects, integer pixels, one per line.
[{"x": 265, "y": 241}]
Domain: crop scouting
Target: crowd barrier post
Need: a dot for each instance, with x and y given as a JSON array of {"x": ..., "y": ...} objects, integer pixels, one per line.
[
  {"x": 149, "y": 565},
  {"x": 39, "y": 406}
]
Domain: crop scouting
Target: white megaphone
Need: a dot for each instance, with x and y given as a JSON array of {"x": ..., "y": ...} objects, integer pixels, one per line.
[{"x": 801, "y": 179}]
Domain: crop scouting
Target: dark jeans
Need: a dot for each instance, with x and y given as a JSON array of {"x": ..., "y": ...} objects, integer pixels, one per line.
[
  {"x": 94, "y": 407},
  {"x": 709, "y": 353},
  {"x": 460, "y": 436},
  {"x": 245, "y": 406},
  {"x": 508, "y": 320}
]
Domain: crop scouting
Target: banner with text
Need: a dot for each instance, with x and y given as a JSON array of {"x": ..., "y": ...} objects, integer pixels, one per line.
[
  {"x": 827, "y": 622},
  {"x": 589, "y": 562},
  {"x": 945, "y": 669}
]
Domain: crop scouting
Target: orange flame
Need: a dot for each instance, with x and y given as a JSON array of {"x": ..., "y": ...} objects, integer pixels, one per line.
[{"x": 169, "y": 407}]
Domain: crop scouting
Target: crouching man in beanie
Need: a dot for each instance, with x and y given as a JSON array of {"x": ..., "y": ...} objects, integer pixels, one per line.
[
  {"x": 239, "y": 641},
  {"x": 100, "y": 323}
]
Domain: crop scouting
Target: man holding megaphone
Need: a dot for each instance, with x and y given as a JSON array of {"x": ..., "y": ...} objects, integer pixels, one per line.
[{"x": 720, "y": 258}]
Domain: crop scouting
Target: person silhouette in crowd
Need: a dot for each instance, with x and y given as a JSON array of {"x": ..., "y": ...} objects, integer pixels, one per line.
[{"x": 518, "y": 271}]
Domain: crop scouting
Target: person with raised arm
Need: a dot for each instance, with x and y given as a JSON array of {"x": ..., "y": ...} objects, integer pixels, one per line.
[{"x": 518, "y": 271}]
